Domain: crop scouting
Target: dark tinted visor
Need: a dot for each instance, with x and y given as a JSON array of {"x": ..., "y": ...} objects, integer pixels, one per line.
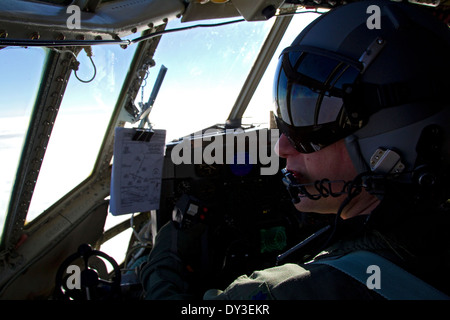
[{"x": 308, "y": 92}]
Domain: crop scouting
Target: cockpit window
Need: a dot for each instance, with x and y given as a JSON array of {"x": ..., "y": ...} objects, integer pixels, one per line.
[
  {"x": 20, "y": 75},
  {"x": 81, "y": 124},
  {"x": 206, "y": 70},
  {"x": 258, "y": 110}
]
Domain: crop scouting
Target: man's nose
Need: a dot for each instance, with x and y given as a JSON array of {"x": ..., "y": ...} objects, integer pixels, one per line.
[{"x": 283, "y": 147}]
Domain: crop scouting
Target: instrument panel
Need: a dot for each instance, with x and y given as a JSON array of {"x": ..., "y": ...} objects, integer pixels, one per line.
[{"x": 250, "y": 217}]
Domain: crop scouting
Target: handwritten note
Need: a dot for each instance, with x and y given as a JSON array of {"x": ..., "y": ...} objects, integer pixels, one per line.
[{"x": 137, "y": 171}]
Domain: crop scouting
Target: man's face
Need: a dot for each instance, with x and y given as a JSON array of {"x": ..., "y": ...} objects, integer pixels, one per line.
[{"x": 333, "y": 163}]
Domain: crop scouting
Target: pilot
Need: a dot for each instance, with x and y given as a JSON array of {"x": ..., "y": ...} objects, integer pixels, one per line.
[{"x": 362, "y": 108}]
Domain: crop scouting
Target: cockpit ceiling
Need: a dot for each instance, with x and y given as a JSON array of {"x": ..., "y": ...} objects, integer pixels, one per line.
[
  {"x": 113, "y": 19},
  {"x": 25, "y": 19}
]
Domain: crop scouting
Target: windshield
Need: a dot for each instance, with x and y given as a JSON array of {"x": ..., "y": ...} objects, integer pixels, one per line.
[
  {"x": 81, "y": 124},
  {"x": 206, "y": 70},
  {"x": 21, "y": 71},
  {"x": 258, "y": 110}
]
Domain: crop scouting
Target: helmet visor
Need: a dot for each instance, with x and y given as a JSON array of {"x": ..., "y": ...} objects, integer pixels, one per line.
[{"x": 308, "y": 92}]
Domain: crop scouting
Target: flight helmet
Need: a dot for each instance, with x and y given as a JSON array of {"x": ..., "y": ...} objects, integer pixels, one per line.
[{"x": 375, "y": 74}]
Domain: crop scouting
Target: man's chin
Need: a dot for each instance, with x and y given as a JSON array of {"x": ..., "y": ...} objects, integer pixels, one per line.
[
  {"x": 306, "y": 205},
  {"x": 324, "y": 205}
]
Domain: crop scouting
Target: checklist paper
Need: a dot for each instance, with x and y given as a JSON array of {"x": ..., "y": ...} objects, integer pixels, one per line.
[{"x": 137, "y": 170}]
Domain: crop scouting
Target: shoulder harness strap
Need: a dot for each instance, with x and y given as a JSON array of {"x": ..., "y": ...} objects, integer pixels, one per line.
[{"x": 395, "y": 283}]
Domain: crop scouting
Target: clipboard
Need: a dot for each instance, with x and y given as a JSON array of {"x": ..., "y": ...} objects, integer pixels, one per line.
[{"x": 137, "y": 170}]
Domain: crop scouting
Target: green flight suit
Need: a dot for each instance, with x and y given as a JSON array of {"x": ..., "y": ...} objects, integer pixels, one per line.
[
  {"x": 414, "y": 241},
  {"x": 164, "y": 277}
]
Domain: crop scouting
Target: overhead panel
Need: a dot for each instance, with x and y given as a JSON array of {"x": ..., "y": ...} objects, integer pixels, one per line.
[{"x": 23, "y": 19}]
